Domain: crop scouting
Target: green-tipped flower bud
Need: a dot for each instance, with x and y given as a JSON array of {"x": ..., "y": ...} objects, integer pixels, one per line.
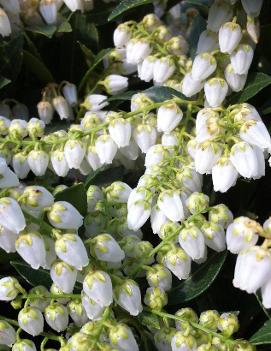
[{"x": 155, "y": 298}]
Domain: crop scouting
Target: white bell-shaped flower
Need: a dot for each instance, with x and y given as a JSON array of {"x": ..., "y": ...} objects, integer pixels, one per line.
[
  {"x": 122, "y": 338},
  {"x": 252, "y": 8},
  {"x": 235, "y": 81},
  {"x": 155, "y": 155},
  {"x": 145, "y": 136},
  {"x": 191, "y": 86},
  {"x": 115, "y": 84},
  {"x": 48, "y": 10},
  {"x": 38, "y": 161},
  {"x": 5, "y": 25},
  {"x": 93, "y": 310},
  {"x": 215, "y": 91},
  {"x": 95, "y": 102},
  {"x": 9, "y": 288},
  {"x": 203, "y": 66},
  {"x": 214, "y": 235},
  {"x": 159, "y": 276},
  {"x": 70, "y": 93},
  {"x": 36, "y": 197},
  {"x": 139, "y": 208},
  {"x": 62, "y": 107},
  {"x": 11, "y": 215},
  {"x": 266, "y": 294},
  {"x": 220, "y": 214},
  {"x": 7, "y": 334},
  {"x": 106, "y": 148},
  {"x": 8, "y": 179},
  {"x": 145, "y": 68},
  {"x": 169, "y": 139},
  {"x": 120, "y": 131},
  {"x": 118, "y": 192},
  {"x": 74, "y": 5},
  {"x": 63, "y": 215},
  {"x": 74, "y": 152},
  {"x": 93, "y": 158},
  {"x": 207, "y": 42},
  {"x": 224, "y": 175},
  {"x": 105, "y": 248},
  {"x": 163, "y": 69},
  {"x": 178, "y": 262},
  {"x": 256, "y": 133},
  {"x": 128, "y": 296},
  {"x": 241, "y": 59},
  {"x": 64, "y": 276},
  {"x": 18, "y": 128},
  {"x": 207, "y": 154},
  {"x": 77, "y": 313},
  {"x": 121, "y": 35},
  {"x": 7, "y": 239},
  {"x": 97, "y": 286},
  {"x": 252, "y": 269},
  {"x": 71, "y": 249},
  {"x": 57, "y": 316},
  {"x": 182, "y": 342},
  {"x": 94, "y": 194},
  {"x": 191, "y": 240},
  {"x": 45, "y": 111},
  {"x": 59, "y": 163},
  {"x": 168, "y": 117},
  {"x": 158, "y": 219},
  {"x": 244, "y": 159},
  {"x": 31, "y": 320},
  {"x": 241, "y": 234},
  {"x": 25, "y": 345},
  {"x": 137, "y": 50},
  {"x": 170, "y": 203},
  {"x": 219, "y": 13},
  {"x": 31, "y": 248},
  {"x": 229, "y": 36}
]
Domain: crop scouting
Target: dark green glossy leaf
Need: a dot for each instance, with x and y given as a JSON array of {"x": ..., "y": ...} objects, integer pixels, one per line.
[
  {"x": 255, "y": 83},
  {"x": 37, "y": 67},
  {"x": 160, "y": 94},
  {"x": 89, "y": 56},
  {"x": 198, "y": 26},
  {"x": 3, "y": 82},
  {"x": 76, "y": 195},
  {"x": 123, "y": 96},
  {"x": 85, "y": 31},
  {"x": 263, "y": 335},
  {"x": 33, "y": 276},
  {"x": 126, "y": 5},
  {"x": 48, "y": 30},
  {"x": 7, "y": 257},
  {"x": 199, "y": 281},
  {"x": 105, "y": 175}
]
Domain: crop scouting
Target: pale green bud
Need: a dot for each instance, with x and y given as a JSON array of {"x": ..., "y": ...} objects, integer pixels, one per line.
[
  {"x": 209, "y": 319},
  {"x": 155, "y": 298},
  {"x": 228, "y": 324},
  {"x": 197, "y": 202}
]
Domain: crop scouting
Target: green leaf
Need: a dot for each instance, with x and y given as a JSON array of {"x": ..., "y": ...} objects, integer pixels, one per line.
[
  {"x": 4, "y": 81},
  {"x": 75, "y": 195},
  {"x": 125, "y": 96},
  {"x": 89, "y": 56},
  {"x": 199, "y": 281},
  {"x": 126, "y": 5},
  {"x": 255, "y": 83},
  {"x": 64, "y": 27},
  {"x": 48, "y": 30},
  {"x": 104, "y": 176},
  {"x": 38, "y": 68},
  {"x": 263, "y": 335},
  {"x": 33, "y": 276},
  {"x": 160, "y": 94},
  {"x": 84, "y": 30},
  {"x": 198, "y": 26},
  {"x": 98, "y": 58}
]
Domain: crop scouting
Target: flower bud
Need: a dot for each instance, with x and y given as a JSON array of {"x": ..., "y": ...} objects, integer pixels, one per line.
[
  {"x": 220, "y": 214},
  {"x": 11, "y": 215},
  {"x": 207, "y": 42},
  {"x": 215, "y": 90},
  {"x": 214, "y": 235},
  {"x": 158, "y": 219},
  {"x": 197, "y": 202},
  {"x": 209, "y": 319},
  {"x": 59, "y": 163},
  {"x": 229, "y": 36},
  {"x": 155, "y": 298},
  {"x": 168, "y": 117},
  {"x": 115, "y": 84},
  {"x": 183, "y": 342},
  {"x": 139, "y": 101},
  {"x": 191, "y": 240},
  {"x": 41, "y": 300},
  {"x": 178, "y": 262},
  {"x": 48, "y": 10},
  {"x": 45, "y": 111},
  {"x": 5, "y": 25},
  {"x": 24, "y": 345},
  {"x": 106, "y": 149},
  {"x": 7, "y": 334},
  {"x": 163, "y": 69},
  {"x": 121, "y": 336},
  {"x": 253, "y": 29},
  {"x": 56, "y": 316},
  {"x": 207, "y": 154},
  {"x": 31, "y": 320},
  {"x": 64, "y": 276},
  {"x": 252, "y": 8},
  {"x": 4, "y": 125},
  {"x": 74, "y": 5},
  {"x": 122, "y": 35},
  {"x": 38, "y": 161},
  {"x": 62, "y": 108},
  {"x": 74, "y": 152},
  {"x": 159, "y": 276},
  {"x": 255, "y": 133},
  {"x": 9, "y": 288},
  {"x": 253, "y": 269},
  {"x": 224, "y": 175},
  {"x": 118, "y": 192},
  {"x": 187, "y": 314},
  {"x": 95, "y": 102},
  {"x": 228, "y": 324},
  {"x": 18, "y": 128},
  {"x": 31, "y": 248},
  {"x": 105, "y": 248},
  {"x": 139, "y": 209},
  {"x": 242, "y": 345},
  {"x": 63, "y": 215},
  {"x": 77, "y": 313},
  {"x": 219, "y": 13},
  {"x": 145, "y": 137},
  {"x": 137, "y": 50},
  {"x": 241, "y": 59},
  {"x": 70, "y": 249},
  {"x": 203, "y": 66},
  {"x": 98, "y": 286},
  {"x": 120, "y": 131},
  {"x": 191, "y": 86},
  {"x": 93, "y": 158},
  {"x": 70, "y": 93},
  {"x": 128, "y": 296},
  {"x": 20, "y": 165},
  {"x": 93, "y": 310},
  {"x": 235, "y": 81},
  {"x": 145, "y": 68},
  {"x": 244, "y": 159},
  {"x": 170, "y": 203}
]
